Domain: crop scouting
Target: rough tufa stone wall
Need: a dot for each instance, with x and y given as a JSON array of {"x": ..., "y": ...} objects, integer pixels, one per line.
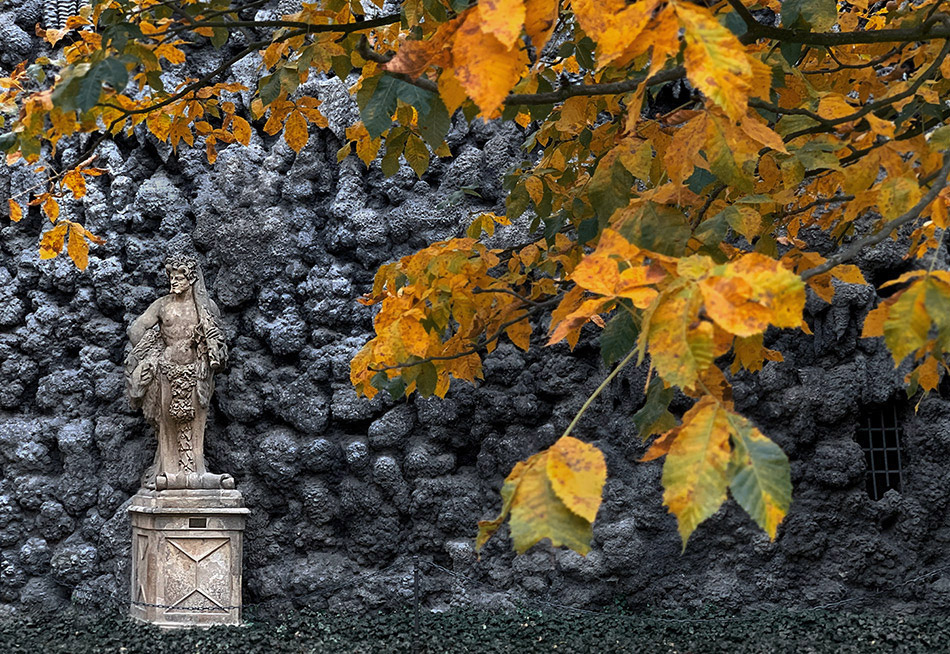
[{"x": 340, "y": 486}]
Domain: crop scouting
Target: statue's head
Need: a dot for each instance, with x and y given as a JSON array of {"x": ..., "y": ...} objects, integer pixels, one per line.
[{"x": 182, "y": 272}]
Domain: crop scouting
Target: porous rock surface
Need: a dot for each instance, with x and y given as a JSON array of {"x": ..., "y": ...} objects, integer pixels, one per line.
[{"x": 341, "y": 487}]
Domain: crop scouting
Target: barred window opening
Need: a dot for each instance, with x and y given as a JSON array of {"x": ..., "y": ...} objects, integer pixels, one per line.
[{"x": 880, "y": 436}]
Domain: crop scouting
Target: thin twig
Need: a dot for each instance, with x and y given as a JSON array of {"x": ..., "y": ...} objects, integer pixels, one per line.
[{"x": 912, "y": 214}]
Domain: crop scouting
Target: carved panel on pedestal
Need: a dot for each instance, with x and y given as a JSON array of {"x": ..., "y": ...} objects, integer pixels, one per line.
[{"x": 198, "y": 574}]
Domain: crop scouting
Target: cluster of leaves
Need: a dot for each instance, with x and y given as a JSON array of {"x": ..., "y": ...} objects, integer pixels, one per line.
[{"x": 686, "y": 236}]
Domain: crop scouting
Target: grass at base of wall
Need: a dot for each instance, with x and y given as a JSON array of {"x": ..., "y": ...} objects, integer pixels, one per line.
[{"x": 485, "y": 632}]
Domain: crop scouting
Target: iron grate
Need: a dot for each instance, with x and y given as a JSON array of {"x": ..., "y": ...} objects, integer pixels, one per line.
[{"x": 880, "y": 436}]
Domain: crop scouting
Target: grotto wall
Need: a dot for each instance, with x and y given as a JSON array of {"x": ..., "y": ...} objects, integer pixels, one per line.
[{"x": 339, "y": 486}]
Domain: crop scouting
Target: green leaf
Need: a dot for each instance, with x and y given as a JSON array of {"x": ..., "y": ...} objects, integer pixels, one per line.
[
  {"x": 618, "y": 337},
  {"x": 762, "y": 479},
  {"x": 90, "y": 88},
  {"x": 395, "y": 144},
  {"x": 659, "y": 228},
  {"x": 654, "y": 416},
  {"x": 219, "y": 36},
  {"x": 434, "y": 125},
  {"x": 378, "y": 113},
  {"x": 269, "y": 88},
  {"x": 816, "y": 15},
  {"x": 427, "y": 379},
  {"x": 609, "y": 189},
  {"x": 417, "y": 154},
  {"x": 114, "y": 73}
]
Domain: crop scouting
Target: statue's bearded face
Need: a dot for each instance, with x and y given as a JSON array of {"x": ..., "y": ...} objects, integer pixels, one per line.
[{"x": 178, "y": 282}]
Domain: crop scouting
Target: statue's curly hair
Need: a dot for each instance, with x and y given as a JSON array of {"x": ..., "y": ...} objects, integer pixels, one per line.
[{"x": 183, "y": 262}]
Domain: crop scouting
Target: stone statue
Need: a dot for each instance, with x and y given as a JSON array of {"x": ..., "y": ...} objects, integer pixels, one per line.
[{"x": 177, "y": 345}]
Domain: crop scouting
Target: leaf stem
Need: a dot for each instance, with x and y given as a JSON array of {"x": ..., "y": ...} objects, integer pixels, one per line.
[{"x": 597, "y": 391}]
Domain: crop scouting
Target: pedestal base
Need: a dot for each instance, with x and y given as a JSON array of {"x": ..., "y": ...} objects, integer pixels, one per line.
[{"x": 186, "y": 557}]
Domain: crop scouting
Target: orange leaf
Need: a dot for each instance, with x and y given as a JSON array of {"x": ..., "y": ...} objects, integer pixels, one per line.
[
  {"x": 484, "y": 66},
  {"x": 520, "y": 334},
  {"x": 413, "y": 57},
  {"x": 51, "y": 208},
  {"x": 73, "y": 180},
  {"x": 502, "y": 19},
  {"x": 78, "y": 248},
  {"x": 295, "y": 131},
  {"x": 539, "y": 21},
  {"x": 241, "y": 130},
  {"x": 16, "y": 212},
  {"x": 52, "y": 242}
]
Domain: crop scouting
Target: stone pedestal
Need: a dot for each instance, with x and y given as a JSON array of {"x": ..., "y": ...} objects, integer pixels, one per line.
[{"x": 186, "y": 557}]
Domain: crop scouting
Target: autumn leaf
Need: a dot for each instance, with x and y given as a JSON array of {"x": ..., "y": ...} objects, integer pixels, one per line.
[
  {"x": 503, "y": 19},
  {"x": 761, "y": 476},
  {"x": 73, "y": 180},
  {"x": 680, "y": 344},
  {"x": 577, "y": 472},
  {"x": 51, "y": 208},
  {"x": 52, "y": 242},
  {"x": 295, "y": 131},
  {"x": 716, "y": 62},
  {"x": 241, "y": 130},
  {"x": 16, "y": 212},
  {"x": 695, "y": 473},
  {"x": 485, "y": 67},
  {"x": 77, "y": 247}
]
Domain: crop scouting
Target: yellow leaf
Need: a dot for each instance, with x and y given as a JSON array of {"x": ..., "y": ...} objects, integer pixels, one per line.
[
  {"x": 78, "y": 248},
  {"x": 613, "y": 24},
  {"x": 16, "y": 212},
  {"x": 295, "y": 131},
  {"x": 73, "y": 180},
  {"x": 241, "y": 130},
  {"x": 680, "y": 344},
  {"x": 537, "y": 513},
  {"x": 159, "y": 124},
  {"x": 52, "y": 241},
  {"x": 51, "y": 208},
  {"x": 520, "y": 334},
  {"x": 503, "y": 19},
  {"x": 451, "y": 91},
  {"x": 746, "y": 295},
  {"x": 874, "y": 321},
  {"x": 716, "y": 62},
  {"x": 539, "y": 21},
  {"x": 484, "y": 66},
  {"x": 695, "y": 471},
  {"x": 577, "y": 472},
  {"x": 908, "y": 323},
  {"x": 897, "y": 196},
  {"x": 487, "y": 528}
]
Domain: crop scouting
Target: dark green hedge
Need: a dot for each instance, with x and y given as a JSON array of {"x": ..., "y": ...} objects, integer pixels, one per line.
[{"x": 484, "y": 632}]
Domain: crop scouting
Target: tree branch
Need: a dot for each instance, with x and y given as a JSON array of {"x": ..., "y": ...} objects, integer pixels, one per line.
[
  {"x": 604, "y": 88},
  {"x": 880, "y": 104},
  {"x": 913, "y": 213},
  {"x": 924, "y": 32}
]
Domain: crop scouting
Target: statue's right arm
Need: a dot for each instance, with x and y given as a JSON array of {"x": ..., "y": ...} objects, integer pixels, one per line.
[{"x": 145, "y": 322}]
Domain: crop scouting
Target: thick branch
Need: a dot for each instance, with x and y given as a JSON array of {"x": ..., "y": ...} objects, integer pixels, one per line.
[
  {"x": 605, "y": 88},
  {"x": 307, "y": 28},
  {"x": 929, "y": 29},
  {"x": 857, "y": 246}
]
